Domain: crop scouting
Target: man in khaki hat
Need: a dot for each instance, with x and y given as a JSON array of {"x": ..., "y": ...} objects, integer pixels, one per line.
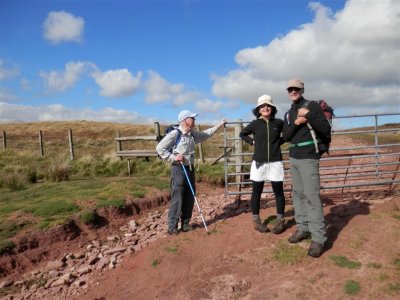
[{"x": 308, "y": 131}]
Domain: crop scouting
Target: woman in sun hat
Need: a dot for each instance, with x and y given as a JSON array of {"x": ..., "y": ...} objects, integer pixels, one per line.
[{"x": 267, "y": 160}]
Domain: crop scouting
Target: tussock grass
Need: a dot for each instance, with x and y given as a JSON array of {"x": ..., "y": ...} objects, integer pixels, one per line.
[
  {"x": 286, "y": 254},
  {"x": 344, "y": 262},
  {"x": 352, "y": 287}
]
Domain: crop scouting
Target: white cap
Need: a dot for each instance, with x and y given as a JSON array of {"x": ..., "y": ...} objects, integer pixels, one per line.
[{"x": 184, "y": 114}]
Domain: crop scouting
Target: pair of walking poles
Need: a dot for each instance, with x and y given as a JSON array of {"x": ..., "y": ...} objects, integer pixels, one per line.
[{"x": 194, "y": 195}]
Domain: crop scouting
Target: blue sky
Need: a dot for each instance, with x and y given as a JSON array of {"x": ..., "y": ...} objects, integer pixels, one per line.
[{"x": 145, "y": 61}]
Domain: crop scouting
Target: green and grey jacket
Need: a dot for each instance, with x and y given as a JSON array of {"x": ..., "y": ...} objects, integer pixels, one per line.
[{"x": 266, "y": 138}]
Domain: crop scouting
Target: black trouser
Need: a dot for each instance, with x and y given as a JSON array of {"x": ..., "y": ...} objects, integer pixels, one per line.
[{"x": 277, "y": 188}]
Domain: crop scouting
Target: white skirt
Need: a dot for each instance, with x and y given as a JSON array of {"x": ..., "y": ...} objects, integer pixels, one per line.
[{"x": 273, "y": 171}]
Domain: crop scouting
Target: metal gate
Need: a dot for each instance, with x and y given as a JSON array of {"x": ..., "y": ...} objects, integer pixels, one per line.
[{"x": 372, "y": 163}]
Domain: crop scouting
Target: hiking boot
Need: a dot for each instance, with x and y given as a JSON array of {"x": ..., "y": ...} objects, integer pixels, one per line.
[
  {"x": 279, "y": 226},
  {"x": 260, "y": 226},
  {"x": 174, "y": 231},
  {"x": 315, "y": 249},
  {"x": 186, "y": 227},
  {"x": 298, "y": 236}
]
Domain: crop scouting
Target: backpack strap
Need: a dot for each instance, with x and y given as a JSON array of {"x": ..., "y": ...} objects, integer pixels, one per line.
[{"x": 312, "y": 131}]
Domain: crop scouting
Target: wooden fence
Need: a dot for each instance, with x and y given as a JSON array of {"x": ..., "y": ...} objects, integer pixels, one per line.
[{"x": 41, "y": 145}]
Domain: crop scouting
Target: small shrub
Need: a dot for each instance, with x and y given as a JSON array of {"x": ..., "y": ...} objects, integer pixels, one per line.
[
  {"x": 31, "y": 174},
  {"x": 139, "y": 194},
  {"x": 352, "y": 287},
  {"x": 343, "y": 262},
  {"x": 116, "y": 202},
  {"x": 172, "y": 249},
  {"x": 374, "y": 265},
  {"x": 154, "y": 263},
  {"x": 59, "y": 170},
  {"x": 87, "y": 217},
  {"x": 393, "y": 288},
  {"x": 15, "y": 181},
  {"x": 6, "y": 246}
]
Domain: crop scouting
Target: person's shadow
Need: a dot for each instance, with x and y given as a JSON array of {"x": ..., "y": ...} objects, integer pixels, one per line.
[{"x": 339, "y": 216}]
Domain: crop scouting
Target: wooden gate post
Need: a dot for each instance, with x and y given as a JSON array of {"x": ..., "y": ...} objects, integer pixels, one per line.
[
  {"x": 238, "y": 152},
  {"x": 157, "y": 131}
]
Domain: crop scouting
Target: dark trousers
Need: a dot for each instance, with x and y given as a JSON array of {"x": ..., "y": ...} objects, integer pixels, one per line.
[
  {"x": 277, "y": 188},
  {"x": 182, "y": 199}
]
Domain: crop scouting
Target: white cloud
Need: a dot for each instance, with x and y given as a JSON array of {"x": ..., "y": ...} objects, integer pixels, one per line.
[
  {"x": 351, "y": 58},
  {"x": 186, "y": 97},
  {"x": 58, "y": 112},
  {"x": 7, "y": 72},
  {"x": 7, "y": 96},
  {"x": 61, "y": 26},
  {"x": 117, "y": 83},
  {"x": 159, "y": 90},
  {"x": 61, "y": 81}
]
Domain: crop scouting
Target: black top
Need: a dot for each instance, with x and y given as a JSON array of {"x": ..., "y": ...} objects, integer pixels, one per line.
[
  {"x": 301, "y": 133},
  {"x": 267, "y": 137}
]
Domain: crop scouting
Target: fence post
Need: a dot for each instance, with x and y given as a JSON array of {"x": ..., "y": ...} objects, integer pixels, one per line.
[
  {"x": 71, "y": 144},
  {"x": 157, "y": 131},
  {"x": 238, "y": 152},
  {"x": 200, "y": 145},
  {"x": 119, "y": 144},
  {"x": 4, "y": 141},
  {"x": 41, "y": 143}
]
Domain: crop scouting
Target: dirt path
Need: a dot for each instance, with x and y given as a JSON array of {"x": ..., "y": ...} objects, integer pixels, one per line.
[{"x": 236, "y": 262}]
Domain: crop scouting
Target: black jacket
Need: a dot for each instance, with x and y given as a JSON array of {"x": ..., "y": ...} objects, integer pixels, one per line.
[
  {"x": 300, "y": 133},
  {"x": 267, "y": 137}
]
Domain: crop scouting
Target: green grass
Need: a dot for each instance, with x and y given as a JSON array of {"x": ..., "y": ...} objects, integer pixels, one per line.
[
  {"x": 53, "y": 203},
  {"x": 374, "y": 265},
  {"x": 393, "y": 288},
  {"x": 154, "y": 263},
  {"x": 172, "y": 249},
  {"x": 286, "y": 254},
  {"x": 342, "y": 261},
  {"x": 352, "y": 287}
]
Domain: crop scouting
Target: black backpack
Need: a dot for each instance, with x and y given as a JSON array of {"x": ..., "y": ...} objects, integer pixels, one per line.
[
  {"x": 171, "y": 128},
  {"x": 322, "y": 143}
]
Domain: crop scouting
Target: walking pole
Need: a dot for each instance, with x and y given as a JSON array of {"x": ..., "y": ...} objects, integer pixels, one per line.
[{"x": 195, "y": 199}]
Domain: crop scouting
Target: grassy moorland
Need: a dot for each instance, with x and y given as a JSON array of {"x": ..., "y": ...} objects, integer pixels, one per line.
[{"x": 41, "y": 192}]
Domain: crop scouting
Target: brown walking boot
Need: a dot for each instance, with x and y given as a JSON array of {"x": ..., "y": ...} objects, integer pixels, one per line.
[
  {"x": 260, "y": 226},
  {"x": 279, "y": 226},
  {"x": 315, "y": 249},
  {"x": 298, "y": 236}
]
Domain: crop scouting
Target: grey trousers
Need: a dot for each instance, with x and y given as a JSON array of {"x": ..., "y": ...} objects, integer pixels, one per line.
[
  {"x": 307, "y": 203},
  {"x": 182, "y": 199}
]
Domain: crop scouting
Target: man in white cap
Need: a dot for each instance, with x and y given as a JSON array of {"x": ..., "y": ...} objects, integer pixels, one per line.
[
  {"x": 178, "y": 147},
  {"x": 305, "y": 150}
]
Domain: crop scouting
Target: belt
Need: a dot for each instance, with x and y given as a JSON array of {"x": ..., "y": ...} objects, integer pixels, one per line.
[
  {"x": 301, "y": 144},
  {"x": 186, "y": 166}
]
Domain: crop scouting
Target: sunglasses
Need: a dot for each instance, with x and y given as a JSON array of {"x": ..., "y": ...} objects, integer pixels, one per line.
[
  {"x": 265, "y": 105},
  {"x": 293, "y": 89}
]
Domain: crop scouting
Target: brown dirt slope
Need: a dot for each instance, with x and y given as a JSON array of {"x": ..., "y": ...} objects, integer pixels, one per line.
[{"x": 236, "y": 262}]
